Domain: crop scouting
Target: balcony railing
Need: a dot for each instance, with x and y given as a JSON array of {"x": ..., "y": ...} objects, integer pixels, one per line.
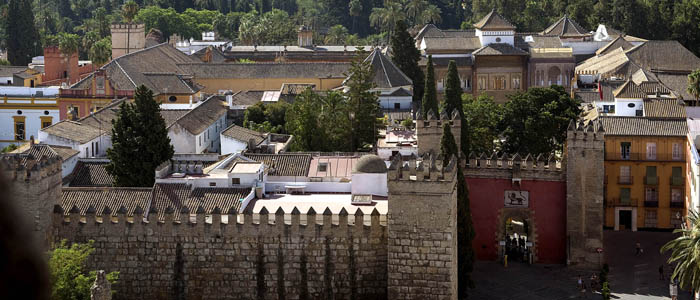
[
  {"x": 651, "y": 180},
  {"x": 642, "y": 156},
  {"x": 677, "y": 204},
  {"x": 625, "y": 179},
  {"x": 677, "y": 181},
  {"x": 651, "y": 203},
  {"x": 617, "y": 202}
]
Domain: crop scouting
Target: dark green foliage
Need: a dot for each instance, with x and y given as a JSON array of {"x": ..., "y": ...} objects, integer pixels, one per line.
[
  {"x": 363, "y": 104},
  {"x": 22, "y": 37},
  {"x": 69, "y": 278},
  {"x": 535, "y": 121},
  {"x": 430, "y": 102},
  {"x": 320, "y": 123},
  {"x": 453, "y": 91},
  {"x": 140, "y": 141},
  {"x": 303, "y": 122},
  {"x": 406, "y": 56},
  {"x": 448, "y": 146},
  {"x": 266, "y": 118},
  {"x": 465, "y": 236},
  {"x": 483, "y": 117}
]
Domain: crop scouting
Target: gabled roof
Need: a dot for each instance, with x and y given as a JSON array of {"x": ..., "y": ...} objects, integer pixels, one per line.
[
  {"x": 494, "y": 21},
  {"x": 244, "y": 134},
  {"x": 618, "y": 42},
  {"x": 74, "y": 131},
  {"x": 664, "y": 56},
  {"x": 642, "y": 76},
  {"x": 266, "y": 70},
  {"x": 284, "y": 164},
  {"x": 30, "y": 155},
  {"x": 451, "y": 43},
  {"x": 664, "y": 108},
  {"x": 566, "y": 27},
  {"x": 642, "y": 126},
  {"x": 106, "y": 199},
  {"x": 499, "y": 49},
  {"x": 201, "y": 117},
  {"x": 629, "y": 90},
  {"x": 176, "y": 197},
  {"x": 8, "y": 71},
  {"x": 91, "y": 174},
  {"x": 386, "y": 73}
]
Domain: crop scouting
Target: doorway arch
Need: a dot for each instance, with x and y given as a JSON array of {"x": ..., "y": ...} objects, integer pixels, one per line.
[{"x": 517, "y": 225}]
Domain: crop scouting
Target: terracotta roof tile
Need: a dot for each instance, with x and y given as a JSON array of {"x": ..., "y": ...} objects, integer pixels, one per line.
[
  {"x": 284, "y": 164},
  {"x": 100, "y": 198},
  {"x": 91, "y": 174},
  {"x": 641, "y": 126},
  {"x": 244, "y": 134},
  {"x": 493, "y": 21}
]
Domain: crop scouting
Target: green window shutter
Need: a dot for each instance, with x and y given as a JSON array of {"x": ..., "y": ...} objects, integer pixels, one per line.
[
  {"x": 625, "y": 195},
  {"x": 651, "y": 171},
  {"x": 676, "y": 172}
]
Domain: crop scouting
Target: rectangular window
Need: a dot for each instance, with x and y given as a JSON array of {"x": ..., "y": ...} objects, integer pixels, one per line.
[
  {"x": 200, "y": 140},
  {"x": 676, "y": 198},
  {"x": 625, "y": 177},
  {"x": 625, "y": 196},
  {"x": 212, "y": 184},
  {"x": 651, "y": 178},
  {"x": 100, "y": 85},
  {"x": 322, "y": 167},
  {"x": 639, "y": 113},
  {"x": 650, "y": 219},
  {"x": 625, "y": 150},
  {"x": 235, "y": 181},
  {"x": 46, "y": 121},
  {"x": 651, "y": 197},
  {"x": 498, "y": 82},
  {"x": 676, "y": 151},
  {"x": 92, "y": 148},
  {"x": 481, "y": 82},
  {"x": 397, "y": 105},
  {"x": 651, "y": 151},
  {"x": 20, "y": 133},
  {"x": 515, "y": 82},
  {"x": 97, "y": 148}
]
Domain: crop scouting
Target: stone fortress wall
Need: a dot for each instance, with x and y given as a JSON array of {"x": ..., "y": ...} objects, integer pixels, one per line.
[{"x": 205, "y": 257}]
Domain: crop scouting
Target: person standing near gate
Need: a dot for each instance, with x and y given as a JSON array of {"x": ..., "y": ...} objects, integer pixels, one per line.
[{"x": 673, "y": 287}]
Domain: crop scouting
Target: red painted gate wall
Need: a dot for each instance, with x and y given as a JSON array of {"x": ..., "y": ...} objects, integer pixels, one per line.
[{"x": 547, "y": 198}]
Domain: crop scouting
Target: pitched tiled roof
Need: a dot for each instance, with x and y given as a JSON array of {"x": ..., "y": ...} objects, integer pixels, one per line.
[
  {"x": 499, "y": 49},
  {"x": 177, "y": 197},
  {"x": 284, "y": 164},
  {"x": 451, "y": 43},
  {"x": 105, "y": 200},
  {"x": 629, "y": 90},
  {"x": 172, "y": 115},
  {"x": 91, "y": 174},
  {"x": 74, "y": 131},
  {"x": 445, "y": 61},
  {"x": 8, "y": 71},
  {"x": 664, "y": 56},
  {"x": 678, "y": 83},
  {"x": 155, "y": 67},
  {"x": 386, "y": 73},
  {"x": 636, "y": 126},
  {"x": 247, "y": 97},
  {"x": 566, "y": 27},
  {"x": 266, "y": 70},
  {"x": 618, "y": 42},
  {"x": 493, "y": 21},
  {"x": 609, "y": 63},
  {"x": 29, "y": 155},
  {"x": 244, "y": 134},
  {"x": 664, "y": 108},
  {"x": 201, "y": 117}
]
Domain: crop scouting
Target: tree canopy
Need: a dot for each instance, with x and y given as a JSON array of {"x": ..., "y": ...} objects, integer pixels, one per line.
[
  {"x": 69, "y": 277},
  {"x": 406, "y": 57}
]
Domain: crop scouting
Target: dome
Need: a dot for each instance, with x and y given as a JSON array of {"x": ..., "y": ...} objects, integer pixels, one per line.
[{"x": 370, "y": 164}]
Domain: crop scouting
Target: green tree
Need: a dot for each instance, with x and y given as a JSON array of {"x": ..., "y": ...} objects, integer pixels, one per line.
[
  {"x": 129, "y": 11},
  {"x": 406, "y": 56},
  {"x": 22, "y": 36},
  {"x": 465, "y": 236},
  {"x": 448, "y": 146},
  {"x": 364, "y": 103},
  {"x": 69, "y": 277},
  {"x": 685, "y": 253},
  {"x": 302, "y": 122},
  {"x": 65, "y": 10},
  {"x": 430, "y": 103},
  {"x": 414, "y": 9},
  {"x": 483, "y": 116},
  {"x": 385, "y": 18},
  {"x": 431, "y": 14},
  {"x": 140, "y": 141},
  {"x": 453, "y": 90},
  {"x": 694, "y": 84},
  {"x": 535, "y": 121},
  {"x": 336, "y": 35},
  {"x": 9, "y": 148},
  {"x": 254, "y": 113},
  {"x": 335, "y": 121},
  {"x": 101, "y": 52},
  {"x": 355, "y": 10}
]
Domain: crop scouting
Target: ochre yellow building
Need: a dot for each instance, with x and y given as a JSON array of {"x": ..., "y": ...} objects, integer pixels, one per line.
[{"x": 644, "y": 172}]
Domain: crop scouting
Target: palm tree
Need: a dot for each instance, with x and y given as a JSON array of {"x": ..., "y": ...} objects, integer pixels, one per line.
[
  {"x": 414, "y": 9},
  {"x": 431, "y": 14},
  {"x": 386, "y": 17},
  {"x": 685, "y": 253},
  {"x": 694, "y": 85},
  {"x": 355, "y": 11},
  {"x": 336, "y": 35},
  {"x": 129, "y": 11},
  {"x": 68, "y": 44},
  {"x": 100, "y": 52}
]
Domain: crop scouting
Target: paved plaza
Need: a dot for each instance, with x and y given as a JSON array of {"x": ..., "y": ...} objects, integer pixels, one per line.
[{"x": 632, "y": 277}]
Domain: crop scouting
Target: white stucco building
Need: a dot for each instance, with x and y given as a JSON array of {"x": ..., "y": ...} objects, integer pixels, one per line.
[
  {"x": 198, "y": 130},
  {"x": 24, "y": 111}
]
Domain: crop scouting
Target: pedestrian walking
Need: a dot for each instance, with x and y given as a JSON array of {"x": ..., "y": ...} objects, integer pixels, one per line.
[
  {"x": 661, "y": 272},
  {"x": 582, "y": 287},
  {"x": 594, "y": 282},
  {"x": 639, "y": 249}
]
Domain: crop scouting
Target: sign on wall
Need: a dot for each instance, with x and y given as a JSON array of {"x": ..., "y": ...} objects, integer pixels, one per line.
[{"x": 516, "y": 198}]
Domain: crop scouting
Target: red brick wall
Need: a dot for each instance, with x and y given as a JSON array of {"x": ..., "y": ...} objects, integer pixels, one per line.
[{"x": 547, "y": 199}]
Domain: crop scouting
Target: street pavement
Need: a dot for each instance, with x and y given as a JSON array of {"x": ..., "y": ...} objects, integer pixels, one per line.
[{"x": 632, "y": 277}]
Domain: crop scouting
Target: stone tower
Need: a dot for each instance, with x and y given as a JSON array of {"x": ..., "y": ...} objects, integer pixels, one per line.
[
  {"x": 422, "y": 229},
  {"x": 35, "y": 183},
  {"x": 127, "y": 38},
  {"x": 584, "y": 192},
  {"x": 305, "y": 36},
  {"x": 429, "y": 132}
]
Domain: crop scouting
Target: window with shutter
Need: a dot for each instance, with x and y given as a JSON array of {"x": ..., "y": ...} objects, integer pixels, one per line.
[
  {"x": 651, "y": 151},
  {"x": 676, "y": 152}
]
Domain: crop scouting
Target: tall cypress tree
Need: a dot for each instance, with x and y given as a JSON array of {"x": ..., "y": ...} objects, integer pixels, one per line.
[
  {"x": 65, "y": 11},
  {"x": 123, "y": 155},
  {"x": 430, "y": 95},
  {"x": 448, "y": 146},
  {"x": 22, "y": 37},
  {"x": 453, "y": 91},
  {"x": 154, "y": 143},
  {"x": 363, "y": 104},
  {"x": 406, "y": 56},
  {"x": 465, "y": 236},
  {"x": 140, "y": 141}
]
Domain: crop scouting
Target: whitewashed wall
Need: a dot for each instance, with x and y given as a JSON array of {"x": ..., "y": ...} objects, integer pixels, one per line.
[{"x": 32, "y": 123}]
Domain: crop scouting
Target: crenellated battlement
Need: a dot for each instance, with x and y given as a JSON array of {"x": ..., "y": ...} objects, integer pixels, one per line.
[
  {"x": 194, "y": 220},
  {"x": 428, "y": 169},
  {"x": 25, "y": 167},
  {"x": 540, "y": 167},
  {"x": 585, "y": 131},
  {"x": 433, "y": 121}
]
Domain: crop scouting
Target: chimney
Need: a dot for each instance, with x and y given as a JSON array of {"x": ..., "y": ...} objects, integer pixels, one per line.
[
  {"x": 31, "y": 141},
  {"x": 305, "y": 36},
  {"x": 229, "y": 99}
]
